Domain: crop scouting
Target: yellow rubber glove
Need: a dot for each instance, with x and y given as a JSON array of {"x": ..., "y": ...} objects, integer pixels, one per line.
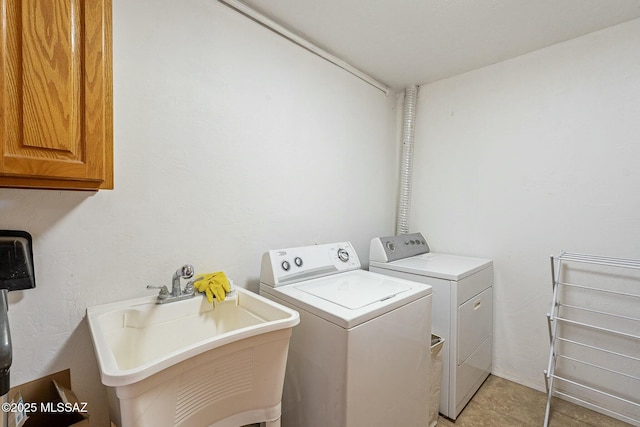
[{"x": 213, "y": 284}]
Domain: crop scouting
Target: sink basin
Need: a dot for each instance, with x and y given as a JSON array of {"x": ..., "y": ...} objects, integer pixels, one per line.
[{"x": 193, "y": 363}]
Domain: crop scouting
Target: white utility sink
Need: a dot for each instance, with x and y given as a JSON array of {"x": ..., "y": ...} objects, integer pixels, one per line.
[{"x": 193, "y": 363}]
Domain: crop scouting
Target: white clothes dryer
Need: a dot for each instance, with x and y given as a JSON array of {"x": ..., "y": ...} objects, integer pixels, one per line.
[
  {"x": 462, "y": 309},
  {"x": 358, "y": 356}
]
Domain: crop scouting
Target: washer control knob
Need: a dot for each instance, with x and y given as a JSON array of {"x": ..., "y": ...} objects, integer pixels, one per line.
[
  {"x": 391, "y": 246},
  {"x": 298, "y": 261},
  {"x": 343, "y": 255},
  {"x": 285, "y": 265}
]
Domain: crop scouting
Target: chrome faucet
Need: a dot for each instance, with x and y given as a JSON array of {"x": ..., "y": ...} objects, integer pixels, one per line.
[
  {"x": 184, "y": 272},
  {"x": 177, "y": 293}
]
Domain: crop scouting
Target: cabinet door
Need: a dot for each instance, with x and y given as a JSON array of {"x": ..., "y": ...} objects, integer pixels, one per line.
[{"x": 55, "y": 94}]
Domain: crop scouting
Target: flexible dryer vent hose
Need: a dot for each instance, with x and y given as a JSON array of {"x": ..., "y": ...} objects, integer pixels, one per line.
[{"x": 406, "y": 159}]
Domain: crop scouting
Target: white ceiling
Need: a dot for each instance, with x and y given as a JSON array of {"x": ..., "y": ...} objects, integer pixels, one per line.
[{"x": 404, "y": 42}]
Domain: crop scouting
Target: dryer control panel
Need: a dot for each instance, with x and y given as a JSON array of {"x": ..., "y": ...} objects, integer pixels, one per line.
[
  {"x": 392, "y": 248},
  {"x": 286, "y": 266}
]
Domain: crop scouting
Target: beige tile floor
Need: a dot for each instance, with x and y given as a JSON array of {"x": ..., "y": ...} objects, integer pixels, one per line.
[{"x": 502, "y": 403}]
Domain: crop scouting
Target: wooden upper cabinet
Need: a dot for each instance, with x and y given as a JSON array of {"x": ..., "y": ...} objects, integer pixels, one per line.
[{"x": 56, "y": 118}]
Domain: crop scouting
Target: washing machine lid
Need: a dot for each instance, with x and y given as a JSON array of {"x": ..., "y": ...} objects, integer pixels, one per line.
[
  {"x": 350, "y": 298},
  {"x": 441, "y": 266},
  {"x": 354, "y": 293}
]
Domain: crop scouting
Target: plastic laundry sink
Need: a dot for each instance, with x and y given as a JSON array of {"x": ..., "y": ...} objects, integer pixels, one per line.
[{"x": 190, "y": 362}]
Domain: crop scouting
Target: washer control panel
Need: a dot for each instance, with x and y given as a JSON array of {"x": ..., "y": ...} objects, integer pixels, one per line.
[
  {"x": 392, "y": 248},
  {"x": 285, "y": 266}
]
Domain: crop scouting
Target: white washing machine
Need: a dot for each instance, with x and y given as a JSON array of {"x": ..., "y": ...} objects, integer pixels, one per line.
[
  {"x": 358, "y": 356},
  {"x": 462, "y": 309}
]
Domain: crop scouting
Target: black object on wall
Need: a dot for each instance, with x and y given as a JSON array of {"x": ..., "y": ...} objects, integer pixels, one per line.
[
  {"x": 16, "y": 261},
  {"x": 16, "y": 273}
]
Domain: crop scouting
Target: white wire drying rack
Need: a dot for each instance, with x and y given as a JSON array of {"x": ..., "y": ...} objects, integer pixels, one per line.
[{"x": 600, "y": 323}]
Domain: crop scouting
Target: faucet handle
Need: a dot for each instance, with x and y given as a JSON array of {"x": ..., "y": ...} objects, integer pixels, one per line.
[
  {"x": 188, "y": 288},
  {"x": 164, "y": 292}
]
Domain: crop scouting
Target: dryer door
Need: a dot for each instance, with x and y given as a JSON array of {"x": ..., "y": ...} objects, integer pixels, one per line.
[{"x": 475, "y": 323}]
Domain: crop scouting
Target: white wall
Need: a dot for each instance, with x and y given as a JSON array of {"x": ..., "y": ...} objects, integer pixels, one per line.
[
  {"x": 524, "y": 158},
  {"x": 229, "y": 141}
]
